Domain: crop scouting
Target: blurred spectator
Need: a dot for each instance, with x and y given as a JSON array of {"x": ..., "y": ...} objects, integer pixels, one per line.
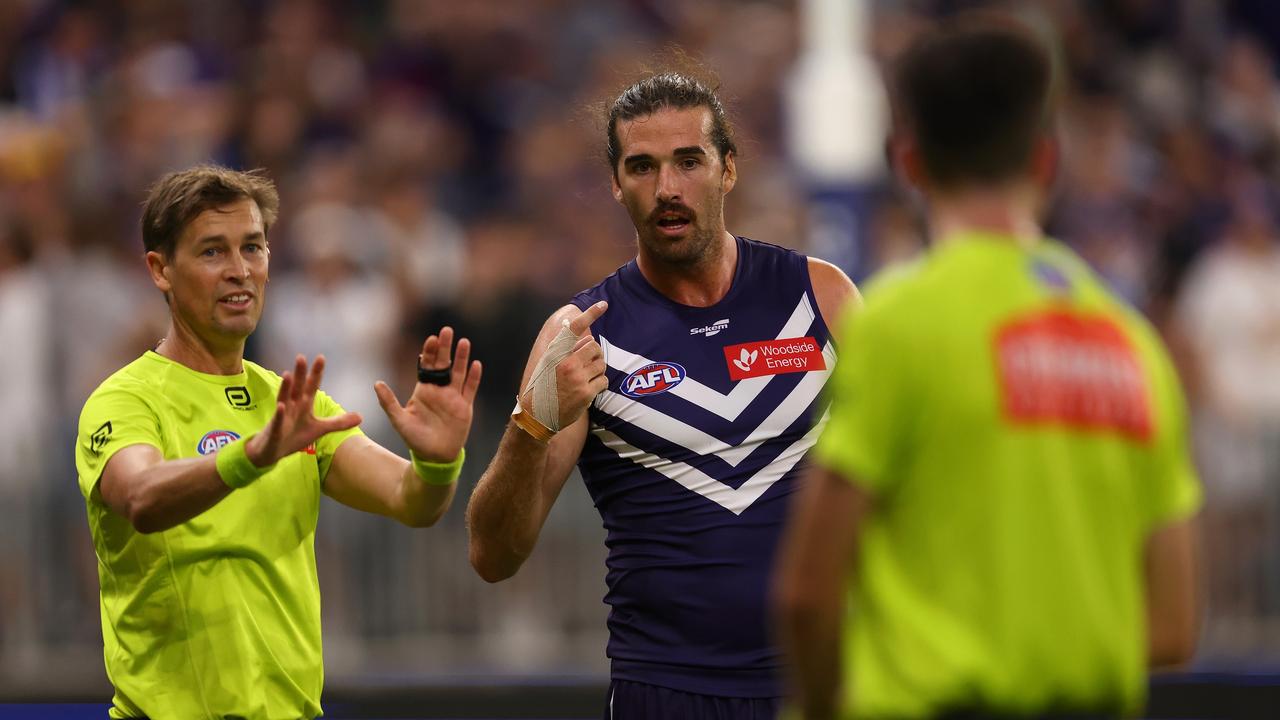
[
  {"x": 1244, "y": 99},
  {"x": 1230, "y": 315},
  {"x": 340, "y": 303},
  {"x": 428, "y": 249},
  {"x": 26, "y": 420}
]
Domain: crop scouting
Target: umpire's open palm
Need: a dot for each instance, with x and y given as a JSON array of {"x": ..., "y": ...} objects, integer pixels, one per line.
[
  {"x": 436, "y": 420},
  {"x": 294, "y": 426}
]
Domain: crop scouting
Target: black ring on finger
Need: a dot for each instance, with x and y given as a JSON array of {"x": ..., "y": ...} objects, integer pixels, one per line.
[{"x": 435, "y": 376}]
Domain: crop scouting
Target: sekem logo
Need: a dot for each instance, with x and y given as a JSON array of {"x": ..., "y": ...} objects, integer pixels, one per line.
[
  {"x": 652, "y": 379},
  {"x": 215, "y": 439},
  {"x": 712, "y": 329}
]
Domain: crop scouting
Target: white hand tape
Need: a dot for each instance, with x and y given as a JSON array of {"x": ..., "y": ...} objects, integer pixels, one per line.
[{"x": 542, "y": 384}]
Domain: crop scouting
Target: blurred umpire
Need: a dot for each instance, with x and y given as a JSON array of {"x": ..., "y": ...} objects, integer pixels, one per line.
[{"x": 1005, "y": 483}]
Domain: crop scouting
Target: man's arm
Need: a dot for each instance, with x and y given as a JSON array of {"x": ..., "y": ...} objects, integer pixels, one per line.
[
  {"x": 516, "y": 492},
  {"x": 834, "y": 291},
  {"x": 1172, "y": 598},
  {"x": 368, "y": 477},
  {"x": 155, "y": 494},
  {"x": 815, "y": 567},
  {"x": 434, "y": 424}
]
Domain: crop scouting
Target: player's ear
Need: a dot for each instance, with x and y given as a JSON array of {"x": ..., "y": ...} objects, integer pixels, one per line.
[
  {"x": 1045, "y": 160},
  {"x": 729, "y": 177},
  {"x": 157, "y": 265},
  {"x": 904, "y": 159},
  {"x": 617, "y": 189}
]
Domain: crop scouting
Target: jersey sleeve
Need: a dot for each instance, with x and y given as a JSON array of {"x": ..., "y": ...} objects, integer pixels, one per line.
[
  {"x": 867, "y": 411},
  {"x": 112, "y": 419},
  {"x": 1175, "y": 488},
  {"x": 328, "y": 445}
]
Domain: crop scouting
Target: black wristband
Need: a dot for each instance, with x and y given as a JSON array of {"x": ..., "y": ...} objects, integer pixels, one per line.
[{"x": 438, "y": 376}]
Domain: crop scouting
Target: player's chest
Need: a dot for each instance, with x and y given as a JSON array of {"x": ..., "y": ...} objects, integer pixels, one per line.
[{"x": 656, "y": 353}]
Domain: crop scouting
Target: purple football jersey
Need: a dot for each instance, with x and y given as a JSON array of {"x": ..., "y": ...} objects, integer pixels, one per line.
[{"x": 691, "y": 455}]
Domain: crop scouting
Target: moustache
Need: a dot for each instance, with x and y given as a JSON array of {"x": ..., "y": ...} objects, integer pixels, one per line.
[{"x": 679, "y": 208}]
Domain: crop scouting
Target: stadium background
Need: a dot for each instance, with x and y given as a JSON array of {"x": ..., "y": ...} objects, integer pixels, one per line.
[{"x": 441, "y": 161}]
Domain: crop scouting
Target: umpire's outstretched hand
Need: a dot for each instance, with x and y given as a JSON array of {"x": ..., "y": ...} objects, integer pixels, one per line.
[
  {"x": 436, "y": 420},
  {"x": 294, "y": 425}
]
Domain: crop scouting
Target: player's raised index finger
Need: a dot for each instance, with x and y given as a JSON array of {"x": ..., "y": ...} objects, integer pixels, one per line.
[{"x": 580, "y": 324}]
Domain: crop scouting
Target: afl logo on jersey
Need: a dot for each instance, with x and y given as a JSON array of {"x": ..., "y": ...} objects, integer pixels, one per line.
[
  {"x": 215, "y": 439},
  {"x": 652, "y": 379}
]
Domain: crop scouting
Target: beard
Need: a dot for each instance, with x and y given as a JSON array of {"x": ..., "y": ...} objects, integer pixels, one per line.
[{"x": 699, "y": 244}]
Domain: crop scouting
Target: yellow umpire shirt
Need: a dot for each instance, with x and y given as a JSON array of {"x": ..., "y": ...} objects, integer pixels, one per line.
[
  {"x": 219, "y": 616},
  {"x": 1023, "y": 433}
]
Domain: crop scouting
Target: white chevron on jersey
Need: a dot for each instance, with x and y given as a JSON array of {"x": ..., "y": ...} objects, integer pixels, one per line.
[
  {"x": 681, "y": 433},
  {"x": 726, "y": 406},
  {"x": 735, "y": 500}
]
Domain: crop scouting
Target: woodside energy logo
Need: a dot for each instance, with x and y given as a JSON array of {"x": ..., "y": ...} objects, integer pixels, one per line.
[{"x": 773, "y": 357}]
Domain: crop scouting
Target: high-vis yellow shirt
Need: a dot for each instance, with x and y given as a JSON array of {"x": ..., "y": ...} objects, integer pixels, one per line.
[
  {"x": 1023, "y": 433},
  {"x": 219, "y": 616}
]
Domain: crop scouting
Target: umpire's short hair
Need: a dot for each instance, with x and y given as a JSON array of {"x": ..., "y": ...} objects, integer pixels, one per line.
[
  {"x": 179, "y": 197},
  {"x": 975, "y": 94}
]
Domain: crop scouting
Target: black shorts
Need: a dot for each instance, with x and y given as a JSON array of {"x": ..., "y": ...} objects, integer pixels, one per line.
[{"x": 638, "y": 701}]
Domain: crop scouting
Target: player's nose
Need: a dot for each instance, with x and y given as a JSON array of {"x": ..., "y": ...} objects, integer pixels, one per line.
[{"x": 668, "y": 189}]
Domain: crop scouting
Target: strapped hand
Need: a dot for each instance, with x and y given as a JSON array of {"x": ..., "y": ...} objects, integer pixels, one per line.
[{"x": 570, "y": 373}]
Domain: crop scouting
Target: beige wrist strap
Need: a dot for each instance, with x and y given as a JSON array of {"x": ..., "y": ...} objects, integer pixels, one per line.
[
  {"x": 545, "y": 402},
  {"x": 531, "y": 425}
]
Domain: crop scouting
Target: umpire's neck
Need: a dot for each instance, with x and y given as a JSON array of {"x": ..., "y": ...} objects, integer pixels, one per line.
[
  {"x": 214, "y": 356},
  {"x": 1007, "y": 212}
]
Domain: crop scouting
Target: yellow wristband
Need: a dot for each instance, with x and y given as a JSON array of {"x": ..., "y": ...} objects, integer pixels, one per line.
[
  {"x": 433, "y": 473},
  {"x": 234, "y": 466}
]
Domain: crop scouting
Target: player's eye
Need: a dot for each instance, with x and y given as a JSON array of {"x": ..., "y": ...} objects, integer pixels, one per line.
[
  {"x": 210, "y": 252},
  {"x": 689, "y": 163}
]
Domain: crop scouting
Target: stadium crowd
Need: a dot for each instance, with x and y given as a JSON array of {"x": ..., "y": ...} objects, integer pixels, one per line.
[{"x": 442, "y": 162}]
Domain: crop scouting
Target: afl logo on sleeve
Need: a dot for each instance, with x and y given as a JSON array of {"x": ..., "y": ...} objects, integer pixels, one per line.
[
  {"x": 215, "y": 439},
  {"x": 1050, "y": 277},
  {"x": 652, "y": 379}
]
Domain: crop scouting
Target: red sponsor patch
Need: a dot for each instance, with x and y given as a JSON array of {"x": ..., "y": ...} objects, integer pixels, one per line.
[
  {"x": 1075, "y": 370},
  {"x": 310, "y": 449},
  {"x": 773, "y": 357}
]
